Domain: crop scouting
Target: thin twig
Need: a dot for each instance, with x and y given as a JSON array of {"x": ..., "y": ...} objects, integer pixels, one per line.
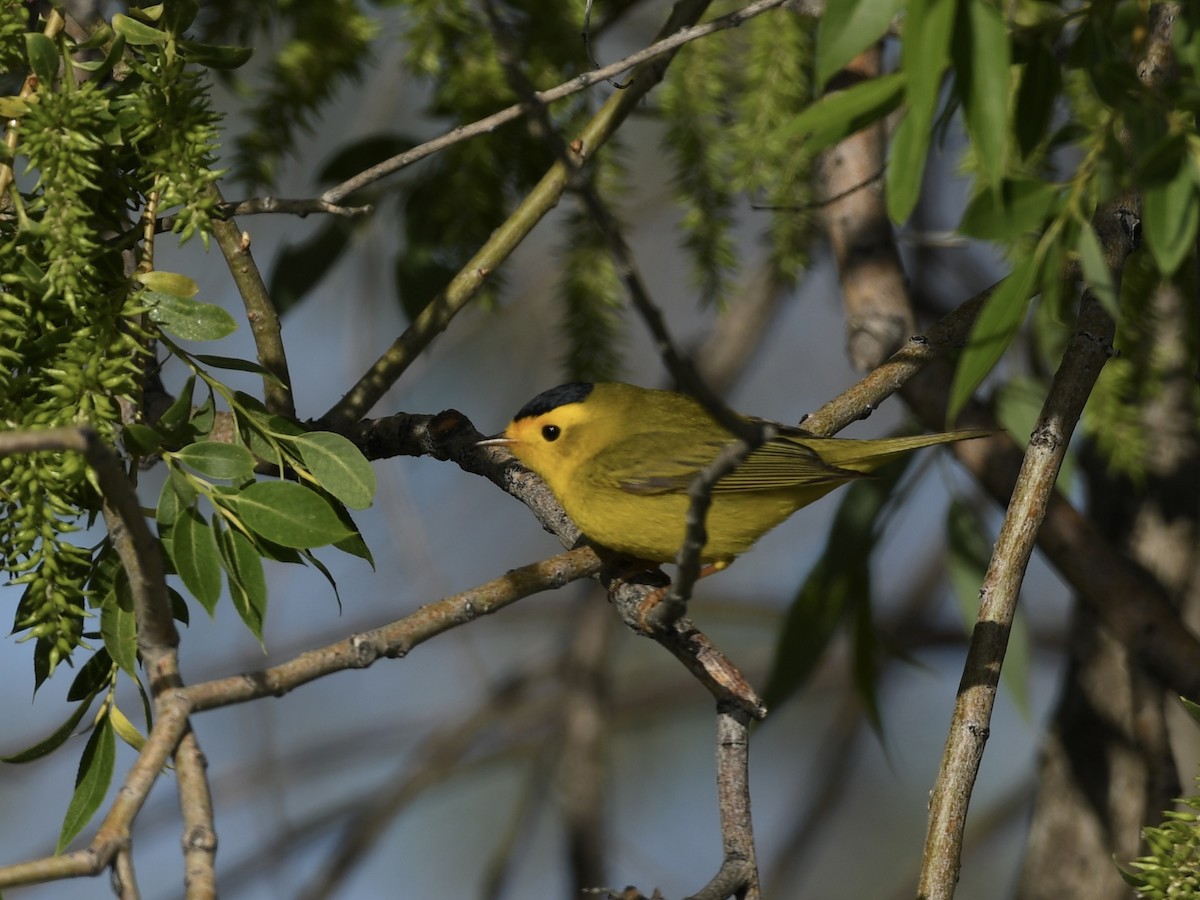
[
  {"x": 676, "y": 36},
  {"x": 260, "y": 312},
  {"x": 305, "y": 206}
]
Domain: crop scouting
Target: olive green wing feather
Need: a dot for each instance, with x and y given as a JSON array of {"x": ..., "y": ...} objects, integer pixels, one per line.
[{"x": 634, "y": 467}]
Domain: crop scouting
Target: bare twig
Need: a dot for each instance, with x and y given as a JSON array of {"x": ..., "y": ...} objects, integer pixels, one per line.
[
  {"x": 260, "y": 312},
  {"x": 676, "y": 37},
  {"x": 302, "y": 207},
  {"x": 1085, "y": 355},
  {"x": 738, "y": 875}
]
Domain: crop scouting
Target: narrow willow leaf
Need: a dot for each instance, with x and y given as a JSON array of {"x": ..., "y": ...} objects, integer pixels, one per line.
[
  {"x": 1017, "y": 207},
  {"x": 91, "y": 782},
  {"x": 236, "y": 365},
  {"x": 289, "y": 514},
  {"x": 1096, "y": 272},
  {"x": 847, "y": 29},
  {"x": 217, "y": 459},
  {"x": 838, "y": 115},
  {"x": 56, "y": 739},
  {"x": 994, "y": 329},
  {"x": 125, "y": 729},
  {"x": 1171, "y": 215},
  {"x": 194, "y": 550},
  {"x": 925, "y": 55},
  {"x": 247, "y": 582},
  {"x": 118, "y": 628},
  {"x": 983, "y": 60},
  {"x": 838, "y": 583},
  {"x": 338, "y": 466},
  {"x": 189, "y": 319}
]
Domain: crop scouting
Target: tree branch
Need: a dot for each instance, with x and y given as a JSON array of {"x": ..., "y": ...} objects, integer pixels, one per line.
[{"x": 260, "y": 311}]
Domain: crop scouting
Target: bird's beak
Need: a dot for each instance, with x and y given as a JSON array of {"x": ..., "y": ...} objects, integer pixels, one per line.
[{"x": 496, "y": 440}]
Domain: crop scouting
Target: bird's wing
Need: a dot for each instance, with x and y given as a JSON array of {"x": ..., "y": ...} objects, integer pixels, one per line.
[
  {"x": 628, "y": 466},
  {"x": 780, "y": 464},
  {"x": 783, "y": 464}
]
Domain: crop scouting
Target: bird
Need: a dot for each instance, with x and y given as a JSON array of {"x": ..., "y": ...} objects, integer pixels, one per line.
[{"x": 620, "y": 458}]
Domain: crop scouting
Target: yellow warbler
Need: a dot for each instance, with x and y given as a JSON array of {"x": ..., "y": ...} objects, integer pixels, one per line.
[{"x": 619, "y": 458}]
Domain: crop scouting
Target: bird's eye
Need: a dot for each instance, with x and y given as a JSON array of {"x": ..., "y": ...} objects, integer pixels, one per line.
[{"x": 551, "y": 432}]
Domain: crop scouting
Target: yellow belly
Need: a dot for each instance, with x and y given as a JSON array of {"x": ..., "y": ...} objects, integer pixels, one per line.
[{"x": 653, "y": 526}]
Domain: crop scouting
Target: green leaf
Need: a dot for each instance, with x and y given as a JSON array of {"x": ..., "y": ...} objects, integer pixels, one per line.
[
  {"x": 1096, "y": 272},
  {"x": 994, "y": 329},
  {"x": 924, "y": 57},
  {"x": 983, "y": 59},
  {"x": 55, "y": 740},
  {"x": 194, "y": 550},
  {"x": 139, "y": 439},
  {"x": 1171, "y": 215},
  {"x": 969, "y": 552},
  {"x": 338, "y": 466},
  {"x": 169, "y": 283},
  {"x": 217, "y": 459},
  {"x": 289, "y": 514},
  {"x": 43, "y": 57},
  {"x": 236, "y": 365},
  {"x": 137, "y": 33},
  {"x": 91, "y": 782},
  {"x": 178, "y": 412},
  {"x": 847, "y": 28},
  {"x": 1017, "y": 207},
  {"x": 837, "y": 585},
  {"x": 93, "y": 677},
  {"x": 216, "y": 56},
  {"x": 841, "y": 113},
  {"x": 247, "y": 582},
  {"x": 118, "y": 628},
  {"x": 189, "y": 319}
]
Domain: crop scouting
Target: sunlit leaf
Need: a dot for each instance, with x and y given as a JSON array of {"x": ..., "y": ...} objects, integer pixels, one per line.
[
  {"x": 217, "y": 459},
  {"x": 189, "y": 319},
  {"x": 289, "y": 514},
  {"x": 194, "y": 550},
  {"x": 338, "y": 466}
]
